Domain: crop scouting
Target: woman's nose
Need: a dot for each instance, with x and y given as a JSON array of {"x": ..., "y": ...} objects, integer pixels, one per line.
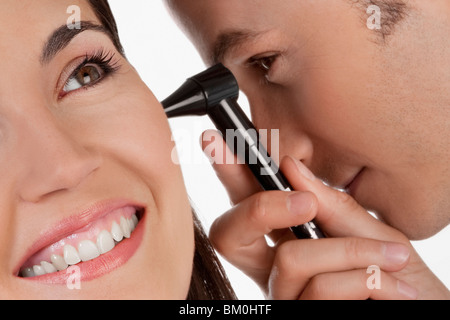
[{"x": 52, "y": 159}]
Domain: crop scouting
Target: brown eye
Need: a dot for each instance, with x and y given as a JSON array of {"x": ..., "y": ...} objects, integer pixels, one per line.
[
  {"x": 84, "y": 76},
  {"x": 88, "y": 75},
  {"x": 89, "y": 72},
  {"x": 264, "y": 63}
]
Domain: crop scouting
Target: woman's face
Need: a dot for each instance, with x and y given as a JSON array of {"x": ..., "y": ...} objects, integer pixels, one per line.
[{"x": 84, "y": 146}]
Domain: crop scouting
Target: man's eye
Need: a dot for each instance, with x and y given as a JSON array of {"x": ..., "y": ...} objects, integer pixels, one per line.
[
  {"x": 84, "y": 76},
  {"x": 263, "y": 62}
]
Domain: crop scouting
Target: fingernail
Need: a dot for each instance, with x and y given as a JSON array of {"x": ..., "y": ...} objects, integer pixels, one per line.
[
  {"x": 406, "y": 290},
  {"x": 299, "y": 203},
  {"x": 304, "y": 171},
  {"x": 207, "y": 136},
  {"x": 396, "y": 253}
]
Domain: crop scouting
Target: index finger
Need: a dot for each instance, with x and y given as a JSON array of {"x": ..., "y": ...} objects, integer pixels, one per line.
[{"x": 236, "y": 178}]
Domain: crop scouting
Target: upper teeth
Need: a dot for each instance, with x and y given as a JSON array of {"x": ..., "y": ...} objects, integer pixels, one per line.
[{"x": 86, "y": 249}]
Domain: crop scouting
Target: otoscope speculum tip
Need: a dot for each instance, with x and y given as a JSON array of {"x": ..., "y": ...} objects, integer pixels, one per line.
[{"x": 205, "y": 89}]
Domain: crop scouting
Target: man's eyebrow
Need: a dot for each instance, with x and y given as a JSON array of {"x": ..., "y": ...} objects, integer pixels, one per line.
[
  {"x": 229, "y": 41},
  {"x": 62, "y": 36}
]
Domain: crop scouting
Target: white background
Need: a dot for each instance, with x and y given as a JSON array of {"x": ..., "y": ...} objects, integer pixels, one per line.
[{"x": 165, "y": 58}]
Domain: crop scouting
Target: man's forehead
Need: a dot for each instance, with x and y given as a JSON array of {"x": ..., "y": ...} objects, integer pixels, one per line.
[{"x": 219, "y": 27}]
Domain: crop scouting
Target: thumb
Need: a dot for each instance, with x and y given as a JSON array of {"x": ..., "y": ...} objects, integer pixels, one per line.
[{"x": 338, "y": 215}]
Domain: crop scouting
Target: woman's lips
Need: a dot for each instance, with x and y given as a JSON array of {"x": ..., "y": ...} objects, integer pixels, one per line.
[{"x": 110, "y": 236}]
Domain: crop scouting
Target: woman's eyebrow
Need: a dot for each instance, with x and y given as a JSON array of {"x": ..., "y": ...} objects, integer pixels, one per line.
[{"x": 62, "y": 36}]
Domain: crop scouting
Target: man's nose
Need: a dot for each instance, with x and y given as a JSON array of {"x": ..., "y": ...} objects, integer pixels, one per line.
[{"x": 293, "y": 137}]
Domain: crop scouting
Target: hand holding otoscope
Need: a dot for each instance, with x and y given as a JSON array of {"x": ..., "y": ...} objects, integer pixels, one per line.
[{"x": 214, "y": 92}]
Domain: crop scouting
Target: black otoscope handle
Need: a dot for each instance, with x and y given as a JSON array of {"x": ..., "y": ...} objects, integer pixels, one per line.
[{"x": 245, "y": 142}]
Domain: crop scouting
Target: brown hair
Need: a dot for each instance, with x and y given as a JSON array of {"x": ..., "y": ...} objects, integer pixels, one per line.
[{"x": 208, "y": 280}]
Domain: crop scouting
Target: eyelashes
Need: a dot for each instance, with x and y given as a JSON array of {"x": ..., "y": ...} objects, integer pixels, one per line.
[
  {"x": 92, "y": 70},
  {"x": 264, "y": 64}
]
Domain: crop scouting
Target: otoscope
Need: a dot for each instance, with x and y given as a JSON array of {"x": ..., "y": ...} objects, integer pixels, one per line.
[{"x": 214, "y": 92}]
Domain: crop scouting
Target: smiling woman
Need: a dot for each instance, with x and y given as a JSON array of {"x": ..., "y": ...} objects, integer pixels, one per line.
[{"x": 87, "y": 177}]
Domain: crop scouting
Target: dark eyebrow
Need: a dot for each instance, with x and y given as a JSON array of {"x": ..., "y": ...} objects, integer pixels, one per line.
[
  {"x": 62, "y": 36},
  {"x": 229, "y": 41}
]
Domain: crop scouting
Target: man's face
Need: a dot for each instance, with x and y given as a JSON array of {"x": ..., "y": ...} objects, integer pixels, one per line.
[{"x": 366, "y": 114}]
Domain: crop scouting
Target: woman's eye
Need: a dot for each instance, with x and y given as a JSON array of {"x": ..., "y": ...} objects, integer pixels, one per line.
[
  {"x": 82, "y": 77},
  {"x": 92, "y": 70}
]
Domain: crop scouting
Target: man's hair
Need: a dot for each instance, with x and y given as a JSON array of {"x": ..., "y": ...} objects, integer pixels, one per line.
[{"x": 392, "y": 13}]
